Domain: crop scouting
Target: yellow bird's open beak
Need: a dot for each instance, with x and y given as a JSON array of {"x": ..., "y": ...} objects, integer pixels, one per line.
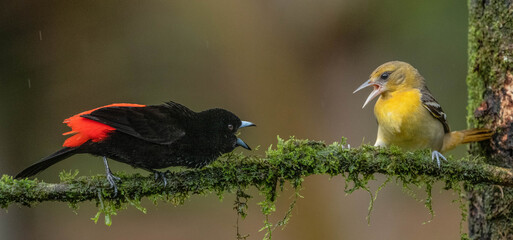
[{"x": 378, "y": 89}]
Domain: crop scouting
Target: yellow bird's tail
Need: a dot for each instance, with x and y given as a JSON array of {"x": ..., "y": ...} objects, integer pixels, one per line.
[{"x": 455, "y": 138}]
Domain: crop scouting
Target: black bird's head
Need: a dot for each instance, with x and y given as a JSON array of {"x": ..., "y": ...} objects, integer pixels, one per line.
[{"x": 222, "y": 126}]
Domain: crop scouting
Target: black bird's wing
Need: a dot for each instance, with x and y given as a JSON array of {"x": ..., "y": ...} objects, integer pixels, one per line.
[
  {"x": 162, "y": 124},
  {"x": 429, "y": 102}
]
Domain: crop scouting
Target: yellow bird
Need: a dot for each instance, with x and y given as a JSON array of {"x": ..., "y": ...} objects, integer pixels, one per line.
[{"x": 409, "y": 116}]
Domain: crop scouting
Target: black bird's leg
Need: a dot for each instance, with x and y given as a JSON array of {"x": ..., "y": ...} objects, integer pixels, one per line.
[
  {"x": 110, "y": 177},
  {"x": 161, "y": 175}
]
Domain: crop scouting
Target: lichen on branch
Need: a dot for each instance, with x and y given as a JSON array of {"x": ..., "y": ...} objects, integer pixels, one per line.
[{"x": 291, "y": 160}]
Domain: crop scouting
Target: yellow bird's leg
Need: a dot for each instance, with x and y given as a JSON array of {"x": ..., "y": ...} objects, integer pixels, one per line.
[{"x": 437, "y": 155}]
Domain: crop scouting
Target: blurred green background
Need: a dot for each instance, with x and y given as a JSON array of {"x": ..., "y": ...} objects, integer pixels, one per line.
[{"x": 288, "y": 66}]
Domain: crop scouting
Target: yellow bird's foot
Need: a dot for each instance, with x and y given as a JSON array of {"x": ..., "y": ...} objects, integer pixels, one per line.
[{"x": 437, "y": 155}]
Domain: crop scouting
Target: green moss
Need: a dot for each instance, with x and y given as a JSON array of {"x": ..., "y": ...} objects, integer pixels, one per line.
[
  {"x": 490, "y": 58},
  {"x": 490, "y": 25},
  {"x": 290, "y": 161}
]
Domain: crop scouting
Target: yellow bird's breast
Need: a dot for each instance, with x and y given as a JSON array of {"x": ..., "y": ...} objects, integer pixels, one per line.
[{"x": 403, "y": 121}]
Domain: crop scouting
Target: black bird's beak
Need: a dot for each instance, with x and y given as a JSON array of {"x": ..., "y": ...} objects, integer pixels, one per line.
[
  {"x": 239, "y": 141},
  {"x": 246, "y": 124},
  {"x": 242, "y": 144}
]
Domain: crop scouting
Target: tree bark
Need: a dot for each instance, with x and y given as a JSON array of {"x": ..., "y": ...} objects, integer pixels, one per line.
[{"x": 490, "y": 84}]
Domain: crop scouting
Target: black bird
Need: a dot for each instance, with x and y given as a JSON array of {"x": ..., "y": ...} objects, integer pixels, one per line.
[{"x": 148, "y": 137}]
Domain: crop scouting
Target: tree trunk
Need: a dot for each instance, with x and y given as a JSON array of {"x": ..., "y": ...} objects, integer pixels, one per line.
[{"x": 490, "y": 84}]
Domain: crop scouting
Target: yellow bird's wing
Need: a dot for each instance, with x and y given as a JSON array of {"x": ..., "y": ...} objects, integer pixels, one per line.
[{"x": 429, "y": 102}]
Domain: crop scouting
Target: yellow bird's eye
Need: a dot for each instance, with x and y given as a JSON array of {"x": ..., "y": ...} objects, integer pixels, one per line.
[{"x": 385, "y": 75}]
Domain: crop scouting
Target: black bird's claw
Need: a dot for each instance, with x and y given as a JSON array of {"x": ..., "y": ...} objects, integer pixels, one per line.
[
  {"x": 161, "y": 175},
  {"x": 112, "y": 181},
  {"x": 110, "y": 177}
]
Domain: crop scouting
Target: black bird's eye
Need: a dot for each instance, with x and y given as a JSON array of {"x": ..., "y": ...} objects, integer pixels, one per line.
[
  {"x": 230, "y": 127},
  {"x": 385, "y": 75}
]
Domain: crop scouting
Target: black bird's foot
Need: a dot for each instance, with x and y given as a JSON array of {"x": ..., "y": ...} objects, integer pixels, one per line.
[
  {"x": 110, "y": 177},
  {"x": 112, "y": 181},
  {"x": 161, "y": 175}
]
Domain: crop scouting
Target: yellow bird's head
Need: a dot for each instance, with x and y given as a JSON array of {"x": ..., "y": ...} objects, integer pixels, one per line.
[{"x": 390, "y": 77}]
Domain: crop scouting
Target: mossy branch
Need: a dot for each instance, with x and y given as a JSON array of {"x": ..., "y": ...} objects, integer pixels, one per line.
[{"x": 291, "y": 160}]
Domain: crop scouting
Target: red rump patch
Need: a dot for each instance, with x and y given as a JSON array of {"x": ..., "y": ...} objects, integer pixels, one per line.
[{"x": 87, "y": 129}]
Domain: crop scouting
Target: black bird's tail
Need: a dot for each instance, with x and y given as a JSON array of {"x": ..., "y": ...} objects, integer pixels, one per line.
[{"x": 46, "y": 162}]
